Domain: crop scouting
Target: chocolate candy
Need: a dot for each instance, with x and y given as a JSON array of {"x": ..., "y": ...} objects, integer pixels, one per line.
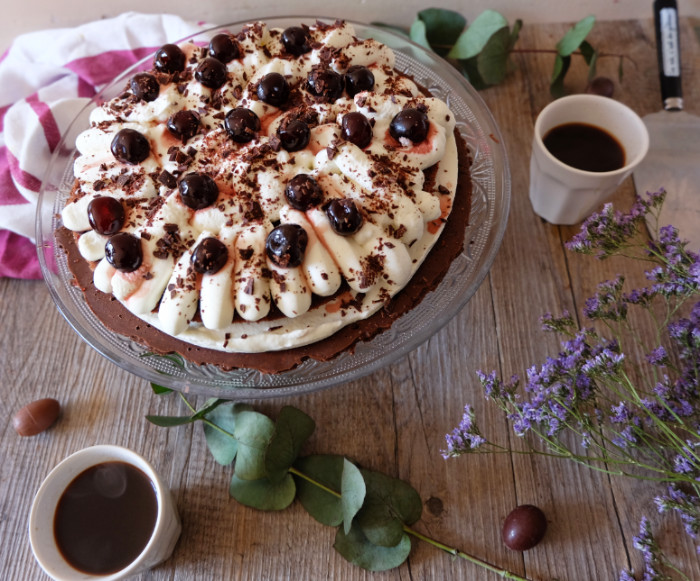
[
  {"x": 35, "y": 417},
  {"x": 524, "y": 527}
]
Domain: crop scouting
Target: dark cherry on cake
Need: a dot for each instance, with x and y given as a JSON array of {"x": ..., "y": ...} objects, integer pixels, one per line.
[
  {"x": 294, "y": 135},
  {"x": 303, "y": 192},
  {"x": 223, "y": 48},
  {"x": 106, "y": 215},
  {"x": 242, "y": 124},
  {"x": 209, "y": 256},
  {"x": 211, "y": 72},
  {"x": 273, "y": 89},
  {"x": 358, "y": 78},
  {"x": 145, "y": 86},
  {"x": 130, "y": 146},
  {"x": 296, "y": 40},
  {"x": 344, "y": 216},
  {"x": 411, "y": 123},
  {"x": 286, "y": 245},
  {"x": 198, "y": 190},
  {"x": 325, "y": 84},
  {"x": 184, "y": 125},
  {"x": 356, "y": 129},
  {"x": 123, "y": 251},
  {"x": 169, "y": 59}
]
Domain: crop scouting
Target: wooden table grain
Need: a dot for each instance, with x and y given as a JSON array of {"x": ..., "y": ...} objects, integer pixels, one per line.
[{"x": 395, "y": 419}]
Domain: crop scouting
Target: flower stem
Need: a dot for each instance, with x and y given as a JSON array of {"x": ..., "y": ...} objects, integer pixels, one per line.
[{"x": 457, "y": 553}]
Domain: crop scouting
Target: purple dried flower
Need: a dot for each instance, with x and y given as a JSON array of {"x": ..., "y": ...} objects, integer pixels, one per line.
[
  {"x": 658, "y": 357},
  {"x": 465, "y": 437}
]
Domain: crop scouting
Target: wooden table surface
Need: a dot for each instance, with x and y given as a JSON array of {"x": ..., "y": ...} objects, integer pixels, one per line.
[{"x": 392, "y": 421}]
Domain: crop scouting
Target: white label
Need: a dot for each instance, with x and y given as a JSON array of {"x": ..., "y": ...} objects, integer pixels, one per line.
[{"x": 670, "y": 53}]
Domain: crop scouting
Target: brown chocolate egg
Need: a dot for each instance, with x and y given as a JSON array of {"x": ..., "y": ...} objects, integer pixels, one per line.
[{"x": 35, "y": 417}]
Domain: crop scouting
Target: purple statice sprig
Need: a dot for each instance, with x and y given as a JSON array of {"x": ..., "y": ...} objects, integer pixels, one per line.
[
  {"x": 656, "y": 566},
  {"x": 632, "y": 412},
  {"x": 610, "y": 231}
]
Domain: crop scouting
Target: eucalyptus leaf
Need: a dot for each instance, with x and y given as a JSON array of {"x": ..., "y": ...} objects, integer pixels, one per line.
[
  {"x": 493, "y": 59},
  {"x": 473, "y": 40},
  {"x": 220, "y": 441},
  {"x": 356, "y": 548},
  {"x": 292, "y": 429},
  {"x": 590, "y": 55},
  {"x": 326, "y": 469},
  {"x": 170, "y": 421},
  {"x": 159, "y": 389},
  {"x": 561, "y": 66},
  {"x": 211, "y": 404},
  {"x": 253, "y": 431},
  {"x": 442, "y": 28},
  {"x": 389, "y": 504},
  {"x": 572, "y": 40},
  {"x": 263, "y": 494},
  {"x": 515, "y": 33},
  {"x": 352, "y": 490},
  {"x": 418, "y": 34}
]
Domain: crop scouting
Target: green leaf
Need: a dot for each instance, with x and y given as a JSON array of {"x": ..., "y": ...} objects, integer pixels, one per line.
[
  {"x": 356, "y": 548},
  {"x": 170, "y": 421},
  {"x": 442, "y": 28},
  {"x": 561, "y": 66},
  {"x": 470, "y": 69},
  {"x": 159, "y": 389},
  {"x": 292, "y": 429},
  {"x": 352, "y": 491},
  {"x": 590, "y": 55},
  {"x": 263, "y": 494},
  {"x": 327, "y": 469},
  {"x": 389, "y": 504},
  {"x": 473, "y": 40},
  {"x": 223, "y": 446},
  {"x": 515, "y": 33},
  {"x": 418, "y": 34},
  {"x": 575, "y": 36},
  {"x": 253, "y": 431},
  {"x": 493, "y": 59},
  {"x": 209, "y": 405}
]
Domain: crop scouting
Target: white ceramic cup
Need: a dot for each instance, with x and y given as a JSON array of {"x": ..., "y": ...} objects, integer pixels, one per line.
[
  {"x": 562, "y": 194},
  {"x": 41, "y": 532}
]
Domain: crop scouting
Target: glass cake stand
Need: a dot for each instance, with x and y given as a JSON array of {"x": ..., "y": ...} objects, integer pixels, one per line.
[{"x": 489, "y": 215}]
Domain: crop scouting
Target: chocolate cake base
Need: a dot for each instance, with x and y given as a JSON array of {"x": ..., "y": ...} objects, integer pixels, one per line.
[{"x": 434, "y": 268}]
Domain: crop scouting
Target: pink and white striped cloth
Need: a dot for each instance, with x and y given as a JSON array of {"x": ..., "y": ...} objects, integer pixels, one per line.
[{"x": 46, "y": 78}]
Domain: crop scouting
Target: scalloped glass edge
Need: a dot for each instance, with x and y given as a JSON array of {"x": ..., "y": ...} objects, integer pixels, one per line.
[{"x": 488, "y": 219}]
